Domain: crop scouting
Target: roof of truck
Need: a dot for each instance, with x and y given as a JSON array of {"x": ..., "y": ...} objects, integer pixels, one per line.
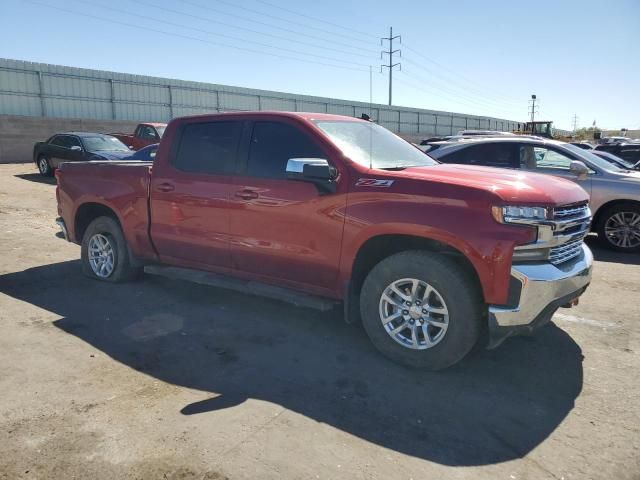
[{"x": 268, "y": 114}]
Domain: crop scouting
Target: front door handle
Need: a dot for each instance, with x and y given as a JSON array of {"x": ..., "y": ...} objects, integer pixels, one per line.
[
  {"x": 165, "y": 187},
  {"x": 246, "y": 194}
]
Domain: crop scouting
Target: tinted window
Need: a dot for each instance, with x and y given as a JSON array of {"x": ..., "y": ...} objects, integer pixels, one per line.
[
  {"x": 208, "y": 147},
  {"x": 489, "y": 154},
  {"x": 59, "y": 141},
  {"x": 272, "y": 144},
  {"x": 148, "y": 133},
  {"x": 492, "y": 155},
  {"x": 630, "y": 153},
  {"x": 73, "y": 142}
]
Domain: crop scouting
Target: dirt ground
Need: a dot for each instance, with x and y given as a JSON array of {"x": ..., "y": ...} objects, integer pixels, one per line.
[{"x": 169, "y": 380}]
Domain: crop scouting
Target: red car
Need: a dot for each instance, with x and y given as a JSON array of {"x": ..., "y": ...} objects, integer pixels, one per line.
[
  {"x": 319, "y": 209},
  {"x": 144, "y": 134}
]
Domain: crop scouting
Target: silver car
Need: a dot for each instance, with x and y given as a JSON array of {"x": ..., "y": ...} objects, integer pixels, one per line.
[{"x": 615, "y": 192}]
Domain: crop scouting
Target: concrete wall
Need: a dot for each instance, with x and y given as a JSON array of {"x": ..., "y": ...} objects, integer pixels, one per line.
[{"x": 18, "y": 134}]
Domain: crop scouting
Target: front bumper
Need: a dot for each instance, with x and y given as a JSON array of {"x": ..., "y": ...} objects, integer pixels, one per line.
[{"x": 543, "y": 288}]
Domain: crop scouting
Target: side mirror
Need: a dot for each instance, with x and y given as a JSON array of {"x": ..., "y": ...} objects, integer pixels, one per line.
[
  {"x": 313, "y": 170},
  {"x": 130, "y": 147},
  {"x": 76, "y": 148},
  {"x": 579, "y": 169}
]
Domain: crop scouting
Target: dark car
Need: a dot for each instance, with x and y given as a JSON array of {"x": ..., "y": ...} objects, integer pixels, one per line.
[
  {"x": 617, "y": 161},
  {"x": 583, "y": 145},
  {"x": 76, "y": 147},
  {"x": 146, "y": 154},
  {"x": 627, "y": 151}
]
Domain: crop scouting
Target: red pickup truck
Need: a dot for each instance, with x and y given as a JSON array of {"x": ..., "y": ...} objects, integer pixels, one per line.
[
  {"x": 144, "y": 134},
  {"x": 320, "y": 209}
]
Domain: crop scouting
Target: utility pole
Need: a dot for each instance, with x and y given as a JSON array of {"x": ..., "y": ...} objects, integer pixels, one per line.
[
  {"x": 391, "y": 52},
  {"x": 575, "y": 122},
  {"x": 532, "y": 105}
]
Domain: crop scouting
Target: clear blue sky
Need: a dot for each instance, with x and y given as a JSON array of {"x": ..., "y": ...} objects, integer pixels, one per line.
[{"x": 480, "y": 57}]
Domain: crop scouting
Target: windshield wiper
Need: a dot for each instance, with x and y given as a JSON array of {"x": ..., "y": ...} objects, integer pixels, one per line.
[{"x": 395, "y": 169}]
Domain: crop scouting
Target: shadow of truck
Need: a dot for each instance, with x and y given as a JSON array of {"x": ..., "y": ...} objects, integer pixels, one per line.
[{"x": 493, "y": 407}]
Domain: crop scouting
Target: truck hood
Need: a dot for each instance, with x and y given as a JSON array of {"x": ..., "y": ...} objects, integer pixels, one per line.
[
  {"x": 511, "y": 186},
  {"x": 110, "y": 155}
]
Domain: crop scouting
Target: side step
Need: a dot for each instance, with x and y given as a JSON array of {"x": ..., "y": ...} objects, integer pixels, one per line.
[{"x": 248, "y": 287}]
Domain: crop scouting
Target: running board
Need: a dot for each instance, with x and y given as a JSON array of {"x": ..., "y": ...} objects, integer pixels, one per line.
[{"x": 248, "y": 287}]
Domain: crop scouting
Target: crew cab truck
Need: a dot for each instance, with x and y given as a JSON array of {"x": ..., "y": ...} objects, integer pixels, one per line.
[
  {"x": 144, "y": 134},
  {"x": 429, "y": 257}
]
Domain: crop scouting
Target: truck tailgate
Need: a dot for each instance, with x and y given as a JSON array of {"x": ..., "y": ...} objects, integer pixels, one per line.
[{"x": 121, "y": 187}]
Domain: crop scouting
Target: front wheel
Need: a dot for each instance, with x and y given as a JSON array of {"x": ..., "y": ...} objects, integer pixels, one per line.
[
  {"x": 104, "y": 252},
  {"x": 44, "y": 166},
  {"x": 421, "y": 309},
  {"x": 619, "y": 227}
]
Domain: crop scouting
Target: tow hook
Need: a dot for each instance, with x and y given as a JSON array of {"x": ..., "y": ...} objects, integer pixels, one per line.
[{"x": 572, "y": 303}]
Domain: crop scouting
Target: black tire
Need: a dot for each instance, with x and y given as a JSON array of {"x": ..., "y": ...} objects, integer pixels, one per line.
[
  {"x": 624, "y": 208},
  {"x": 456, "y": 287},
  {"x": 110, "y": 229},
  {"x": 44, "y": 166}
]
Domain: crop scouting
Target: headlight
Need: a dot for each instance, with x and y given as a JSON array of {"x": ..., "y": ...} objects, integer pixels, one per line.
[{"x": 515, "y": 214}]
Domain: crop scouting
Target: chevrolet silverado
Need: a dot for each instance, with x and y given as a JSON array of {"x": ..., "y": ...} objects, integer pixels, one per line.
[{"x": 322, "y": 209}]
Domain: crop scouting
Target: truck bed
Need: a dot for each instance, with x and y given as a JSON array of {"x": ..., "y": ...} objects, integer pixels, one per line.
[{"x": 122, "y": 186}]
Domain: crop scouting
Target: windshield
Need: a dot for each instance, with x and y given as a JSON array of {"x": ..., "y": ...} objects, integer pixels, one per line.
[
  {"x": 103, "y": 143},
  {"x": 592, "y": 158},
  {"x": 160, "y": 131},
  {"x": 613, "y": 158},
  {"x": 372, "y": 145}
]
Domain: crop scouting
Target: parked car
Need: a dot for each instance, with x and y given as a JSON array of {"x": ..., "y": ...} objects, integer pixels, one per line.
[
  {"x": 76, "y": 147},
  {"x": 627, "y": 151},
  {"x": 147, "y": 153},
  {"x": 318, "y": 209},
  {"x": 615, "y": 193},
  {"x": 144, "y": 134},
  {"x": 617, "y": 161}
]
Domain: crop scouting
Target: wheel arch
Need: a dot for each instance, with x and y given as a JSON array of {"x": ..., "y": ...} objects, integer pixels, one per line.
[
  {"x": 378, "y": 247},
  {"x": 87, "y": 213},
  {"x": 597, "y": 216}
]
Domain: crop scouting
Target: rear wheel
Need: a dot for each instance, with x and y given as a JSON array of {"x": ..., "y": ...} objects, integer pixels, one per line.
[
  {"x": 44, "y": 166},
  {"x": 619, "y": 227},
  {"x": 104, "y": 252},
  {"x": 421, "y": 310}
]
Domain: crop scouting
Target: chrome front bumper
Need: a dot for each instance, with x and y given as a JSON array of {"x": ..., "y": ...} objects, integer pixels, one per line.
[{"x": 543, "y": 288}]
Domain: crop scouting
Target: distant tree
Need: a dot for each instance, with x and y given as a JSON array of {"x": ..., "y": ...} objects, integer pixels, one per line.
[{"x": 585, "y": 133}]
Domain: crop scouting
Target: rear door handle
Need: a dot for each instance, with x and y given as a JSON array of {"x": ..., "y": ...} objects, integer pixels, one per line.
[
  {"x": 246, "y": 194},
  {"x": 165, "y": 187}
]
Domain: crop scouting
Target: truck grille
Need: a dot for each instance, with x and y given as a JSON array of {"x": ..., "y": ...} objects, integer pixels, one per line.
[
  {"x": 571, "y": 211},
  {"x": 566, "y": 251}
]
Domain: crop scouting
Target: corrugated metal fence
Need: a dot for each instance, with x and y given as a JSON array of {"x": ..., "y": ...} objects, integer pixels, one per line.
[{"x": 37, "y": 89}]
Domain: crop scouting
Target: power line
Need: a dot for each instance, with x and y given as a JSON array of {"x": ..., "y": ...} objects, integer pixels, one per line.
[
  {"x": 456, "y": 75},
  {"x": 231, "y": 37},
  {"x": 452, "y": 99},
  {"x": 246, "y": 29},
  {"x": 270, "y": 25},
  {"x": 268, "y": 15},
  {"x": 189, "y": 37},
  {"x": 313, "y": 18},
  {"x": 472, "y": 99},
  {"x": 575, "y": 122},
  {"x": 391, "y": 52},
  {"x": 532, "y": 108}
]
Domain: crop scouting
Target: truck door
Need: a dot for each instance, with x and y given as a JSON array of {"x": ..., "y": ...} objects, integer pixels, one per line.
[
  {"x": 282, "y": 229},
  {"x": 190, "y": 193}
]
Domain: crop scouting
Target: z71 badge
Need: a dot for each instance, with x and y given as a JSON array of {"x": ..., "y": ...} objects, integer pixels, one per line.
[{"x": 374, "y": 182}]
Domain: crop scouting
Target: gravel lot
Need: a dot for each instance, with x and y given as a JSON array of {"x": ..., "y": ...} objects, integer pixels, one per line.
[{"x": 165, "y": 379}]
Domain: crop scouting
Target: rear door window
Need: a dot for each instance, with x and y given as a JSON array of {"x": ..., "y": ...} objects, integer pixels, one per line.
[
  {"x": 273, "y": 144},
  {"x": 208, "y": 147}
]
